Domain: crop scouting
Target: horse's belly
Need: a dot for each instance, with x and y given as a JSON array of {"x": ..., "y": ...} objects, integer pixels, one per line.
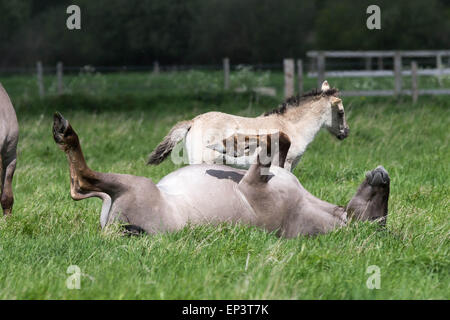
[{"x": 206, "y": 194}]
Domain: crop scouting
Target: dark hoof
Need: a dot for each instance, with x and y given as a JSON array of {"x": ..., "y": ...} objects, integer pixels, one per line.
[
  {"x": 378, "y": 177},
  {"x": 60, "y": 126},
  {"x": 133, "y": 230}
]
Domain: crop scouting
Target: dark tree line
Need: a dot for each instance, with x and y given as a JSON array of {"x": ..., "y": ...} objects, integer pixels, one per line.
[{"x": 138, "y": 32}]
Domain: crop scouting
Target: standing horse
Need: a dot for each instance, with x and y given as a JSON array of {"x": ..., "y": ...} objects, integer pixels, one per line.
[
  {"x": 212, "y": 194},
  {"x": 9, "y": 136},
  {"x": 300, "y": 118}
]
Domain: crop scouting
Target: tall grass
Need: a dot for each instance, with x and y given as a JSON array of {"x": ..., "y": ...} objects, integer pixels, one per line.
[{"x": 49, "y": 231}]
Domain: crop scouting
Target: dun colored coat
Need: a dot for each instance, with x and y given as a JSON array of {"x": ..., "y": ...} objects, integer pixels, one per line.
[
  {"x": 300, "y": 118},
  {"x": 9, "y": 136},
  {"x": 272, "y": 199}
]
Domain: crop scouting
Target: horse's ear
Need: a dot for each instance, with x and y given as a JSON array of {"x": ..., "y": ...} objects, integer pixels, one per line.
[
  {"x": 325, "y": 86},
  {"x": 335, "y": 101}
]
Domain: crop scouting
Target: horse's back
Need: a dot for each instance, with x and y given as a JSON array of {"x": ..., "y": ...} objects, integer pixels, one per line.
[
  {"x": 215, "y": 120},
  {"x": 220, "y": 120},
  {"x": 213, "y": 127}
]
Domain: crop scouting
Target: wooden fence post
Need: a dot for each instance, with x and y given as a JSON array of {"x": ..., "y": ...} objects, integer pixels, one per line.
[
  {"x": 439, "y": 67},
  {"x": 156, "y": 67},
  {"x": 380, "y": 63},
  {"x": 300, "y": 76},
  {"x": 226, "y": 73},
  {"x": 312, "y": 64},
  {"x": 414, "y": 82},
  {"x": 40, "y": 79},
  {"x": 320, "y": 68},
  {"x": 398, "y": 73},
  {"x": 368, "y": 63},
  {"x": 288, "y": 77},
  {"x": 59, "y": 76}
]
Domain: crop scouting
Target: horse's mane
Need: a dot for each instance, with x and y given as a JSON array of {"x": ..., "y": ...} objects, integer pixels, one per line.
[{"x": 295, "y": 101}]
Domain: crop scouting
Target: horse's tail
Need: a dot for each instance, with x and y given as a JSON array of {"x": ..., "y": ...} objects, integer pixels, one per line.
[{"x": 165, "y": 147}]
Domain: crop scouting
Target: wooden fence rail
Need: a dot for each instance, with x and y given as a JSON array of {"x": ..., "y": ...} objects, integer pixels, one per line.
[
  {"x": 375, "y": 54},
  {"x": 319, "y": 64},
  {"x": 380, "y": 73},
  {"x": 291, "y": 66}
]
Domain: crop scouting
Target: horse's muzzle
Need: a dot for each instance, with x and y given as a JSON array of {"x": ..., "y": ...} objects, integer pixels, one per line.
[{"x": 343, "y": 135}]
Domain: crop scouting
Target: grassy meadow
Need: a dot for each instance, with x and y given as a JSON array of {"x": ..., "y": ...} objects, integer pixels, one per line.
[{"x": 120, "y": 118}]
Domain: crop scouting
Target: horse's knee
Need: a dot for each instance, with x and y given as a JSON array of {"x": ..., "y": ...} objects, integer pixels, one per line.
[
  {"x": 76, "y": 190},
  {"x": 83, "y": 185}
]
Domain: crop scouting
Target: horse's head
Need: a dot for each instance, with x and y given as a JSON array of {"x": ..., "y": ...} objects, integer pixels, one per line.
[{"x": 335, "y": 116}]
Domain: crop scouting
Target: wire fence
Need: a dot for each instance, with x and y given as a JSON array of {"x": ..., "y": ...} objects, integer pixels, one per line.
[
  {"x": 356, "y": 76},
  {"x": 309, "y": 66}
]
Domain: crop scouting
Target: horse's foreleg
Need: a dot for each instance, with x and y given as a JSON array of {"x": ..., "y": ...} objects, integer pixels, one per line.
[{"x": 7, "y": 198}]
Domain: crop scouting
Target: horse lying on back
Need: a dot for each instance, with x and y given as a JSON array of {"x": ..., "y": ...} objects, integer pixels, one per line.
[
  {"x": 265, "y": 196},
  {"x": 9, "y": 136},
  {"x": 300, "y": 118}
]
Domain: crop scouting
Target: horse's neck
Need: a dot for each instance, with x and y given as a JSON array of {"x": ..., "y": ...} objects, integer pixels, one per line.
[{"x": 306, "y": 123}]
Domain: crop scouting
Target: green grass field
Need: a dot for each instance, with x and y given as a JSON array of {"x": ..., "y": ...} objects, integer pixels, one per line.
[{"x": 49, "y": 232}]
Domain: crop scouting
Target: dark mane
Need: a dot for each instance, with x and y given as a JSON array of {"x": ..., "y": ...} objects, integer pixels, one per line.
[{"x": 295, "y": 101}]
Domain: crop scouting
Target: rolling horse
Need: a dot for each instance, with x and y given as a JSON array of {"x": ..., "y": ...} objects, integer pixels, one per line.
[
  {"x": 300, "y": 118},
  {"x": 266, "y": 196},
  {"x": 9, "y": 136}
]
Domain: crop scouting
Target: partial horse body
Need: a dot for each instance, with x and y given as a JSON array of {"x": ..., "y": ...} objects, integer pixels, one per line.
[
  {"x": 299, "y": 118},
  {"x": 212, "y": 194},
  {"x": 9, "y": 136}
]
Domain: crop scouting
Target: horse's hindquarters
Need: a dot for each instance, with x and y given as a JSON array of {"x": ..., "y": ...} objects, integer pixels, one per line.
[
  {"x": 9, "y": 136},
  {"x": 213, "y": 128}
]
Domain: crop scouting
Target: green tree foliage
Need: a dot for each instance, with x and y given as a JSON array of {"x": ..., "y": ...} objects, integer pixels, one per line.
[
  {"x": 138, "y": 32},
  {"x": 405, "y": 24},
  {"x": 254, "y": 31}
]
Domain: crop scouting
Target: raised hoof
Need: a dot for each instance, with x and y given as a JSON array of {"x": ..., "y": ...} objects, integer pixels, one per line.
[
  {"x": 378, "y": 177},
  {"x": 133, "y": 230},
  {"x": 60, "y": 126}
]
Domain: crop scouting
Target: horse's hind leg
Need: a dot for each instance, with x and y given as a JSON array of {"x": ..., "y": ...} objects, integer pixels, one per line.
[
  {"x": 371, "y": 199},
  {"x": 2, "y": 174},
  {"x": 7, "y": 198},
  {"x": 84, "y": 182}
]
